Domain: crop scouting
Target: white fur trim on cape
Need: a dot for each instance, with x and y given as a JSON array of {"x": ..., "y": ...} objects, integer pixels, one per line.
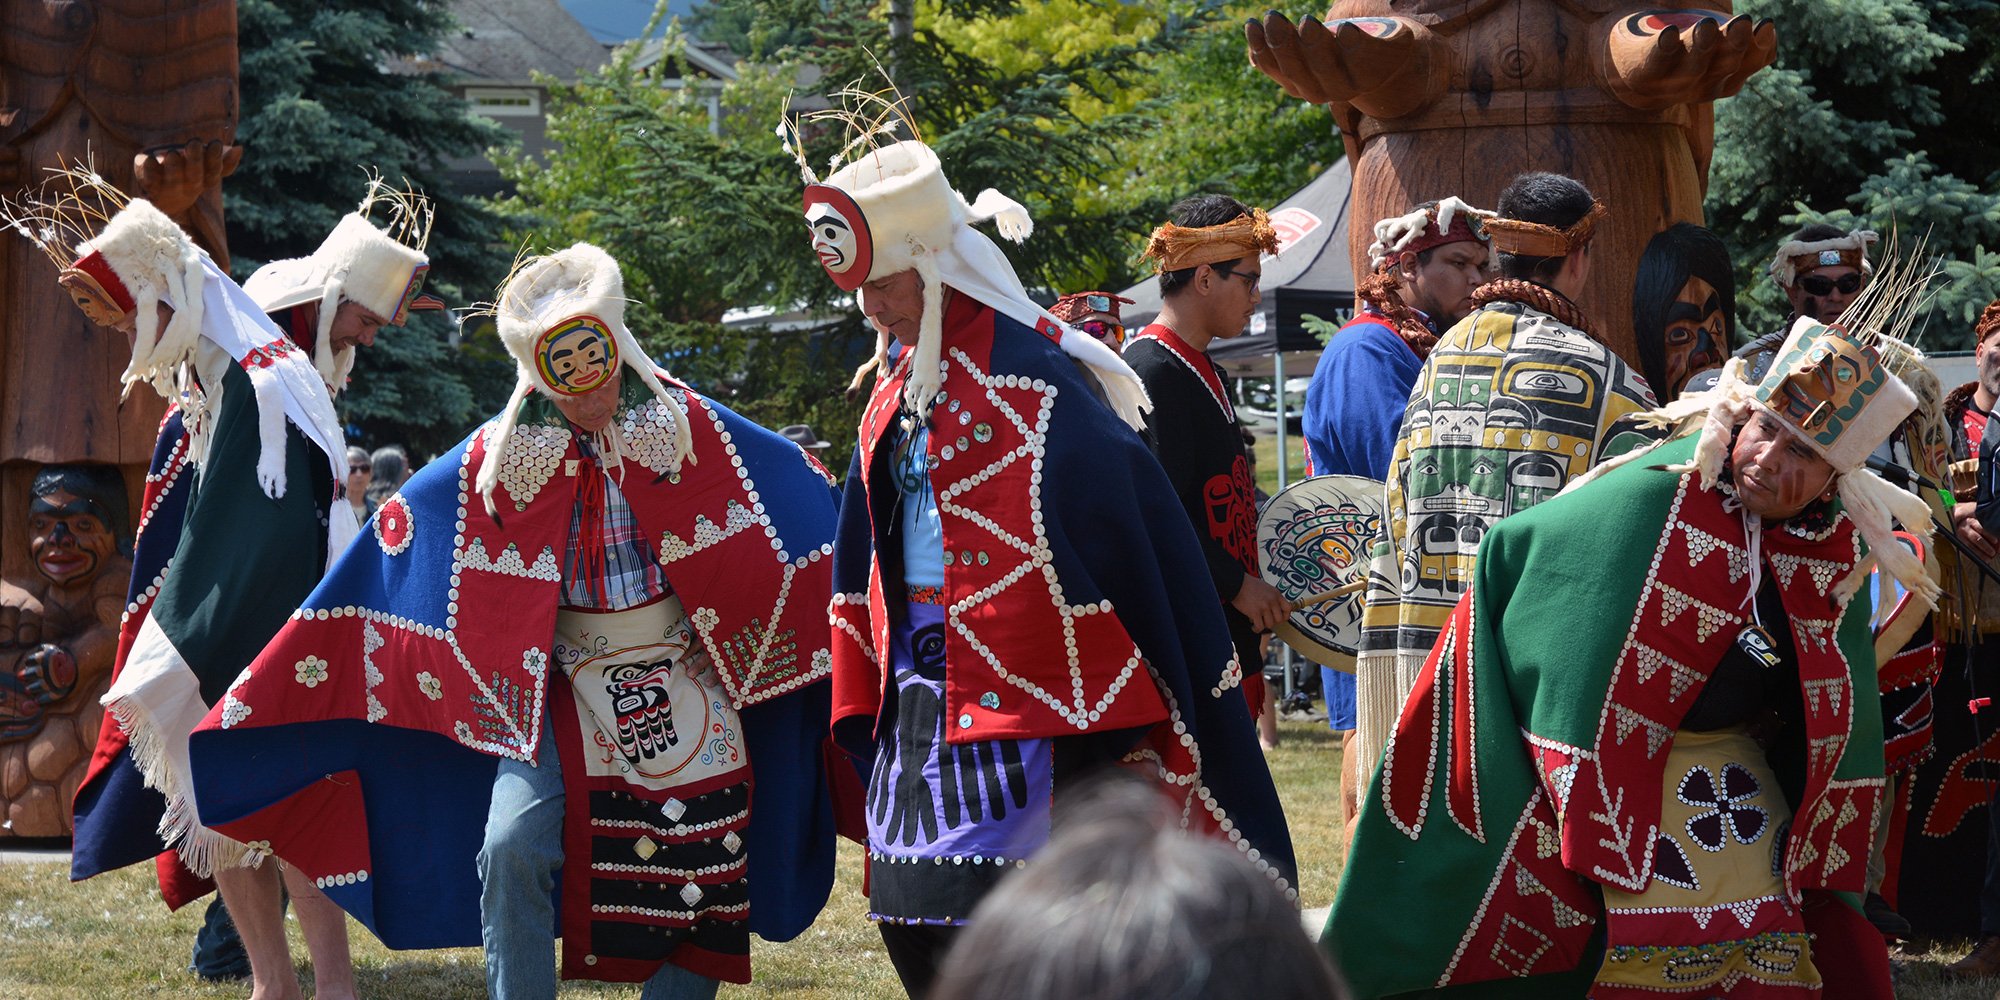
[
  {"x": 1008, "y": 216},
  {"x": 236, "y": 324},
  {"x": 974, "y": 266},
  {"x": 157, "y": 262},
  {"x": 157, "y": 701}
]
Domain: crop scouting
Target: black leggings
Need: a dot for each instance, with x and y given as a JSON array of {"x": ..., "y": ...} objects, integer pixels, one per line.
[{"x": 917, "y": 951}]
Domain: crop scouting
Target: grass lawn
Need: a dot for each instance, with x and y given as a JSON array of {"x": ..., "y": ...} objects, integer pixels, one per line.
[
  {"x": 111, "y": 936},
  {"x": 1264, "y": 455}
]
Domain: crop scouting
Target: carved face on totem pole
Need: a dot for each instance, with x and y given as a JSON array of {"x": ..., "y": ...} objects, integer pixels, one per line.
[
  {"x": 58, "y": 628},
  {"x": 74, "y": 523},
  {"x": 1683, "y": 306}
]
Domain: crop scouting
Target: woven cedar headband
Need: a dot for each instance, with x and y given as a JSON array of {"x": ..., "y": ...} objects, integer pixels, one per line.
[
  {"x": 1532, "y": 239},
  {"x": 1172, "y": 247}
]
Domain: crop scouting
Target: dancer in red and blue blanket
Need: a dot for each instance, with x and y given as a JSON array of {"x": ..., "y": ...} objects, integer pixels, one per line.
[{"x": 588, "y": 641}]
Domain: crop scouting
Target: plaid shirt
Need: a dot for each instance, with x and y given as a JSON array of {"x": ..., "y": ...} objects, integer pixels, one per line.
[{"x": 631, "y": 573}]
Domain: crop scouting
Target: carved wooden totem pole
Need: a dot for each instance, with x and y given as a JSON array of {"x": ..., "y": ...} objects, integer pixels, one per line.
[
  {"x": 1443, "y": 97},
  {"x": 145, "y": 91}
]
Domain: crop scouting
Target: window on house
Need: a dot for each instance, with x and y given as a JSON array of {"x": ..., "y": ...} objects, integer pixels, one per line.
[{"x": 504, "y": 101}]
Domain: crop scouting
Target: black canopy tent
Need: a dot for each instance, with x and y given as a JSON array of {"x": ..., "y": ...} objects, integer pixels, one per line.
[{"x": 1311, "y": 274}]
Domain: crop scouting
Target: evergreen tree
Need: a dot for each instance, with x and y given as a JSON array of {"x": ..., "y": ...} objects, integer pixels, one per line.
[
  {"x": 705, "y": 215},
  {"x": 319, "y": 109},
  {"x": 702, "y": 215},
  {"x": 1886, "y": 106}
]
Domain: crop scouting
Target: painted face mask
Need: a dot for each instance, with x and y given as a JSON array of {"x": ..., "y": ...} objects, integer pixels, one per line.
[
  {"x": 96, "y": 290},
  {"x": 1694, "y": 334},
  {"x": 576, "y": 355},
  {"x": 410, "y": 293},
  {"x": 840, "y": 235}
]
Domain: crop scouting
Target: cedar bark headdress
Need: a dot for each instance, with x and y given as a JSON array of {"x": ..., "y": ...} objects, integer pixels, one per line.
[
  {"x": 1174, "y": 248},
  {"x": 1532, "y": 239}
]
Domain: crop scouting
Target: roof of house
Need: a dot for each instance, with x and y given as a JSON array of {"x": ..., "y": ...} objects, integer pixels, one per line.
[
  {"x": 507, "y": 41},
  {"x": 614, "y": 21},
  {"x": 705, "y": 58}
]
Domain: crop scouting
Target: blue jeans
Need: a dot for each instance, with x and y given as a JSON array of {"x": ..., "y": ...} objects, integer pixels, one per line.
[
  {"x": 218, "y": 949},
  {"x": 1337, "y": 686},
  {"x": 517, "y": 874}
]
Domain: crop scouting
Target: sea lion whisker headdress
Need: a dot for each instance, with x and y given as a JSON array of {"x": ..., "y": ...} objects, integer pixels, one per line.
[
  {"x": 885, "y": 207},
  {"x": 121, "y": 258}
]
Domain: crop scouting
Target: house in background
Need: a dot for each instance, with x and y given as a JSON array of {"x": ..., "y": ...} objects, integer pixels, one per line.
[{"x": 499, "y": 46}]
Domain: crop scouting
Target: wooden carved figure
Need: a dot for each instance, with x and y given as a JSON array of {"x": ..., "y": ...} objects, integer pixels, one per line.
[
  {"x": 58, "y": 633},
  {"x": 145, "y": 92},
  {"x": 1444, "y": 97},
  {"x": 1683, "y": 308}
]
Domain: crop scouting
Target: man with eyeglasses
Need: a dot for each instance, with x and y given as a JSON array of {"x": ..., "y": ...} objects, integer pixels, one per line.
[
  {"x": 1821, "y": 269},
  {"x": 1209, "y": 264}
]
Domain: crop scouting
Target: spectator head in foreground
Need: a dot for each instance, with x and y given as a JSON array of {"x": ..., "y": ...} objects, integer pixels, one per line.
[{"x": 1121, "y": 904}]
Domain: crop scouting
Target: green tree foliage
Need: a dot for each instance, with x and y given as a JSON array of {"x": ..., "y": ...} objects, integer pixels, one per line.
[
  {"x": 1227, "y": 128},
  {"x": 318, "y": 110},
  {"x": 1014, "y": 97},
  {"x": 1050, "y": 102},
  {"x": 702, "y": 215},
  {"x": 1193, "y": 119},
  {"x": 1862, "y": 89}
]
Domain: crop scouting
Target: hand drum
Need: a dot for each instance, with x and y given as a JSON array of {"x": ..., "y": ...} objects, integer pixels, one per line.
[{"x": 1312, "y": 544}]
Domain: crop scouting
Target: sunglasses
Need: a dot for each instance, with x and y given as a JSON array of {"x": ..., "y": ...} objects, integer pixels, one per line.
[
  {"x": 1255, "y": 278},
  {"x": 1103, "y": 330},
  {"x": 363, "y": 467},
  {"x": 1815, "y": 284}
]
